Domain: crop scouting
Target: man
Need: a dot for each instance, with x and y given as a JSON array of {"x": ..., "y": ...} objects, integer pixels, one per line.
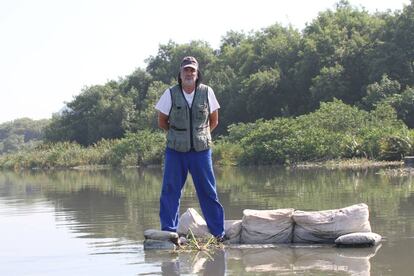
[{"x": 189, "y": 112}]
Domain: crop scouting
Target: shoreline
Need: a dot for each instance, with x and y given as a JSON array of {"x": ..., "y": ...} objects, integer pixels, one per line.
[{"x": 355, "y": 163}]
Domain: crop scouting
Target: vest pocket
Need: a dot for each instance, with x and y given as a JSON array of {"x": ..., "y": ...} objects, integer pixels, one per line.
[
  {"x": 203, "y": 138},
  {"x": 179, "y": 116},
  {"x": 178, "y": 140},
  {"x": 202, "y": 112}
]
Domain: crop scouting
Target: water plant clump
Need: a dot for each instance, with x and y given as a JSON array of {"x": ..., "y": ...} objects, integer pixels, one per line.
[{"x": 199, "y": 243}]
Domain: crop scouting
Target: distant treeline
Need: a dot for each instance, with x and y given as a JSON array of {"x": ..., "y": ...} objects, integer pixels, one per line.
[
  {"x": 267, "y": 79},
  {"x": 21, "y": 134}
]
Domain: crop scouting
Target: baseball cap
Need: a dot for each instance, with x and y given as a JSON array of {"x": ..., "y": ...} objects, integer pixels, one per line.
[{"x": 189, "y": 62}]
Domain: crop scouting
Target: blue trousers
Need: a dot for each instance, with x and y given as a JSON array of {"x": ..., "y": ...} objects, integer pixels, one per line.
[{"x": 176, "y": 168}]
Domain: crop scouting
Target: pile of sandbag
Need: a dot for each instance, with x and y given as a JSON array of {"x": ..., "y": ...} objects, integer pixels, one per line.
[
  {"x": 326, "y": 226},
  {"x": 345, "y": 227}
]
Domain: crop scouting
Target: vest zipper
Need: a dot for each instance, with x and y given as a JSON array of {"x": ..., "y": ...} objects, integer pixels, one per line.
[{"x": 191, "y": 116}]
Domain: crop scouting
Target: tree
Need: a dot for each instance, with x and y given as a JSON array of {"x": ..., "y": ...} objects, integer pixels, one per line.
[
  {"x": 404, "y": 105},
  {"x": 257, "y": 64},
  {"x": 136, "y": 86},
  {"x": 21, "y": 133},
  {"x": 337, "y": 45},
  {"x": 165, "y": 65},
  {"x": 377, "y": 92},
  {"x": 98, "y": 112},
  {"x": 329, "y": 84},
  {"x": 260, "y": 95},
  {"x": 146, "y": 117}
]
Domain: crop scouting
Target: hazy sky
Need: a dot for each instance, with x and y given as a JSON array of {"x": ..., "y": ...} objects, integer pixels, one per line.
[{"x": 50, "y": 49}]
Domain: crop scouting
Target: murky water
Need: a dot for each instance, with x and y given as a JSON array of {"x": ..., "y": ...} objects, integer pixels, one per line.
[{"x": 92, "y": 223}]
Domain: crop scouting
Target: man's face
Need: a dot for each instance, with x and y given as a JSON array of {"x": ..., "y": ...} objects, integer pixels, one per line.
[{"x": 188, "y": 76}]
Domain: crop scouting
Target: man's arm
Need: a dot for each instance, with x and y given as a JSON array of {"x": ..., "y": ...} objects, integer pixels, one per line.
[
  {"x": 213, "y": 118},
  {"x": 163, "y": 121}
]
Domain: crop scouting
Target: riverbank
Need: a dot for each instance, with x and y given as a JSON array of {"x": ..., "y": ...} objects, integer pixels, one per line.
[
  {"x": 391, "y": 167},
  {"x": 388, "y": 168},
  {"x": 354, "y": 163}
]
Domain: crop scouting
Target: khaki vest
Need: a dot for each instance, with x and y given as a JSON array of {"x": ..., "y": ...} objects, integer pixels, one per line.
[{"x": 189, "y": 126}]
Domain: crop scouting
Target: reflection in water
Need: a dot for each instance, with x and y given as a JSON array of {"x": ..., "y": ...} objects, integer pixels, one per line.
[
  {"x": 199, "y": 262},
  {"x": 283, "y": 259},
  {"x": 98, "y": 218},
  {"x": 266, "y": 259}
]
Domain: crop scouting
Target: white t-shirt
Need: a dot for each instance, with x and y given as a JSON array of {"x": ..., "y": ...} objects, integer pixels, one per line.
[{"x": 164, "y": 103}]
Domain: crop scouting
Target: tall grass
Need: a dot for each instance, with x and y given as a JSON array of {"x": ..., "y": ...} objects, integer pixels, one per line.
[{"x": 136, "y": 149}]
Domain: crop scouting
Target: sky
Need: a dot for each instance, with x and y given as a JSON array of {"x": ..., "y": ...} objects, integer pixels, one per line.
[{"x": 51, "y": 49}]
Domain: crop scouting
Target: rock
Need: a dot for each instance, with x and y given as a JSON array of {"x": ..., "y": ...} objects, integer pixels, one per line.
[
  {"x": 158, "y": 245},
  {"x": 358, "y": 239}
]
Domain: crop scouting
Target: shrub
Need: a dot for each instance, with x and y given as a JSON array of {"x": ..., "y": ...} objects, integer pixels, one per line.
[
  {"x": 226, "y": 153},
  {"x": 142, "y": 148},
  {"x": 335, "y": 130},
  {"x": 394, "y": 148}
]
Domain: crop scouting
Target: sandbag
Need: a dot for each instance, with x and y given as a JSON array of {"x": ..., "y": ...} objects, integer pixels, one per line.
[
  {"x": 154, "y": 234},
  {"x": 232, "y": 229},
  {"x": 358, "y": 239},
  {"x": 267, "y": 226},
  {"x": 326, "y": 226},
  {"x": 191, "y": 219},
  {"x": 158, "y": 245}
]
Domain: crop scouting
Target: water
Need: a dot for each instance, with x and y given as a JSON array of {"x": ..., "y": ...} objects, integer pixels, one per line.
[{"x": 92, "y": 223}]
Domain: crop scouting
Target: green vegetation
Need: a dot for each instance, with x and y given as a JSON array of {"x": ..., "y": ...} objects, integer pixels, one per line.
[
  {"x": 341, "y": 88},
  {"x": 21, "y": 134},
  {"x": 335, "y": 130},
  {"x": 136, "y": 149}
]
